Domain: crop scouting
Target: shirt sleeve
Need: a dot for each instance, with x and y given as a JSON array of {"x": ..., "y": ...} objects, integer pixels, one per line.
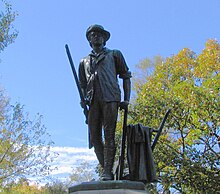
[{"x": 121, "y": 66}]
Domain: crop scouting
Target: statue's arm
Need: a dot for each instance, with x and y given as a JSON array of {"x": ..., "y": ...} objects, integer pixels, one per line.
[
  {"x": 127, "y": 89},
  {"x": 125, "y": 74}
]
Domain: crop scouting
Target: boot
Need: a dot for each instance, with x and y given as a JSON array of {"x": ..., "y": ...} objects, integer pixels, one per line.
[
  {"x": 107, "y": 176},
  {"x": 109, "y": 156}
]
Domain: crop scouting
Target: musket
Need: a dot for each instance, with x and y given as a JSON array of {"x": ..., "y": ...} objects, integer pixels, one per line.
[
  {"x": 82, "y": 98},
  {"x": 120, "y": 169},
  {"x": 160, "y": 129}
]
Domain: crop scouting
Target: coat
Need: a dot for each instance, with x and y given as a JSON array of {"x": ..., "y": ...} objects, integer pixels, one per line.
[{"x": 139, "y": 154}]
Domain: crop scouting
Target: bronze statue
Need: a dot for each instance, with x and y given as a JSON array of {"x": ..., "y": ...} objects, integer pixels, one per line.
[{"x": 98, "y": 78}]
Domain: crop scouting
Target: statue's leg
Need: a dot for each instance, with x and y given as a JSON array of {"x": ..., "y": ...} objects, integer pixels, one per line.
[
  {"x": 95, "y": 126},
  {"x": 110, "y": 113}
]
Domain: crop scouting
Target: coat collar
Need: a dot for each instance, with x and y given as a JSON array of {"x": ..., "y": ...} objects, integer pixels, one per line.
[
  {"x": 98, "y": 57},
  {"x": 93, "y": 54}
]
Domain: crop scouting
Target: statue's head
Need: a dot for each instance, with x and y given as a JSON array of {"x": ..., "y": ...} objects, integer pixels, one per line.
[{"x": 97, "y": 28}]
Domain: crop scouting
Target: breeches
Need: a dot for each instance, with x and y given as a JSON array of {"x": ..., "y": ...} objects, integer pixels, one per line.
[{"x": 103, "y": 115}]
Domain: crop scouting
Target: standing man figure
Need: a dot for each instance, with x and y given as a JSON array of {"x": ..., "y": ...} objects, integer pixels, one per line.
[{"x": 98, "y": 76}]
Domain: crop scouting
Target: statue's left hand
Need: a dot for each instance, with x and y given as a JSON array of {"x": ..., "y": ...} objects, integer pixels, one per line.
[{"x": 123, "y": 105}]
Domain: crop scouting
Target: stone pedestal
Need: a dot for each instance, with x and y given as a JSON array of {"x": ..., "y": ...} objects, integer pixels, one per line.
[{"x": 109, "y": 187}]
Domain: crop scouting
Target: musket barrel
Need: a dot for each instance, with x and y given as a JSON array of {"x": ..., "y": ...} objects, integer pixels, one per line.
[{"x": 82, "y": 98}]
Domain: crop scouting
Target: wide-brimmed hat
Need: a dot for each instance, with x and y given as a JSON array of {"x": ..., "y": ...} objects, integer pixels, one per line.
[{"x": 99, "y": 28}]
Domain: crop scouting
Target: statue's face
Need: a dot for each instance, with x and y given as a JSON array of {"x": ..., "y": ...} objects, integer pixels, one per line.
[{"x": 96, "y": 38}]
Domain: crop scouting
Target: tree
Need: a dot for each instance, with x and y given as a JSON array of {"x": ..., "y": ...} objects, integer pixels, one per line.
[
  {"x": 24, "y": 144},
  {"x": 187, "y": 155},
  {"x": 56, "y": 187},
  {"x": 83, "y": 173},
  {"x": 22, "y": 187},
  {"x": 7, "y": 32}
]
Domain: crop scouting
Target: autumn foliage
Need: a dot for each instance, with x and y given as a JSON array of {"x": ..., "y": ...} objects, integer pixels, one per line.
[{"x": 187, "y": 155}]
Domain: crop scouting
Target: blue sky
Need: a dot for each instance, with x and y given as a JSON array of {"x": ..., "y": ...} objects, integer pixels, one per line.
[{"x": 35, "y": 70}]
